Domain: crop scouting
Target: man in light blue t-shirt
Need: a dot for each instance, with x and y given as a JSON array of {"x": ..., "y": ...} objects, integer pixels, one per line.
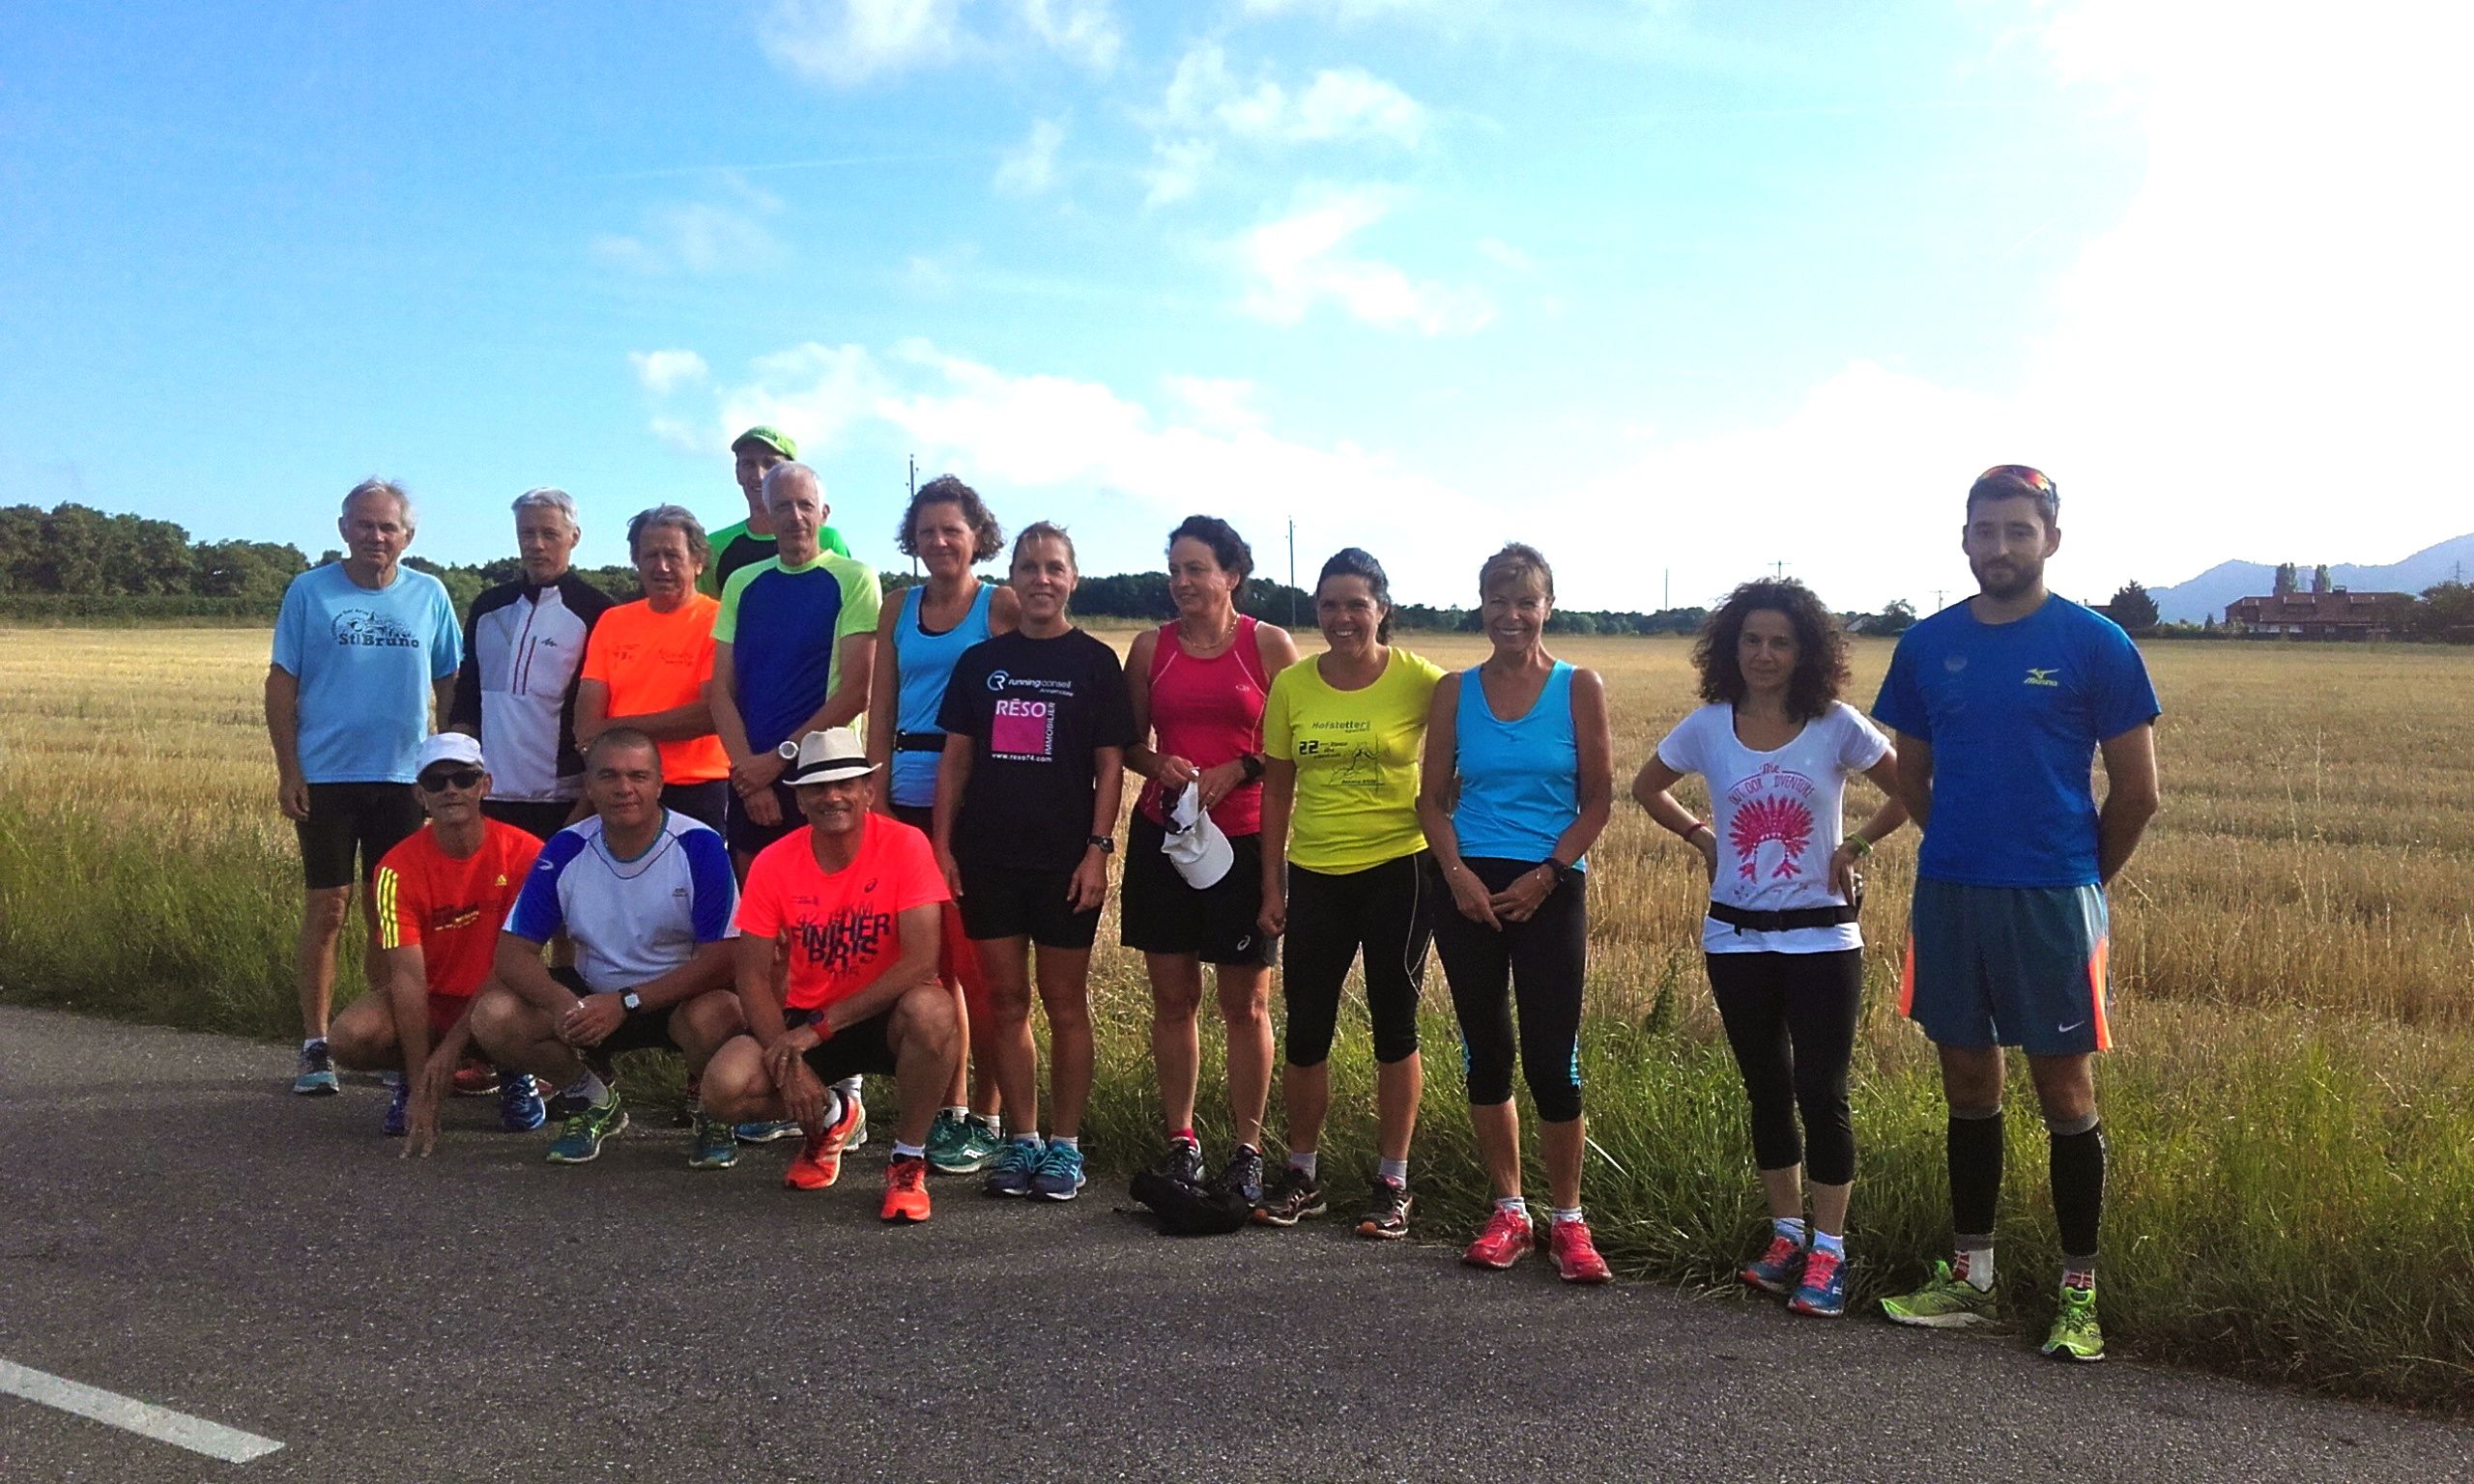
[
  {"x": 364, "y": 650},
  {"x": 2000, "y": 705}
]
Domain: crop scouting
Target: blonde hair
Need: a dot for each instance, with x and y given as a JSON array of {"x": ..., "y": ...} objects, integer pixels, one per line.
[{"x": 1517, "y": 561}]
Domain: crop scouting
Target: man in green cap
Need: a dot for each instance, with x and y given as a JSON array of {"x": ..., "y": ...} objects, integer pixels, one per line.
[{"x": 751, "y": 540}]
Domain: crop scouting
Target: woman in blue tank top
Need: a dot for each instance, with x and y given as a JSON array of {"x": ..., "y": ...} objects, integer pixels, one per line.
[
  {"x": 949, "y": 530},
  {"x": 1519, "y": 781}
]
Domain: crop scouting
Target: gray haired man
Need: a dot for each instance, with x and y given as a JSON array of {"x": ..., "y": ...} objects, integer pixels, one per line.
[{"x": 524, "y": 645}]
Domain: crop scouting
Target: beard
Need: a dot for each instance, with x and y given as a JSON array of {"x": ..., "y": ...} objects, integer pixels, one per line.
[{"x": 2005, "y": 577}]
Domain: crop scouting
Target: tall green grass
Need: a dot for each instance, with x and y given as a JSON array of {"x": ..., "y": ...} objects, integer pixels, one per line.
[{"x": 2290, "y": 1200}]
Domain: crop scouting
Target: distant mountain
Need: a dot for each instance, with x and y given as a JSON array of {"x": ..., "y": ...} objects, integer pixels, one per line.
[{"x": 2206, "y": 595}]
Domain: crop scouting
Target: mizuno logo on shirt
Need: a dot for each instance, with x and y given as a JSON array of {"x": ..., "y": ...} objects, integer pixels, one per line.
[{"x": 2037, "y": 676}]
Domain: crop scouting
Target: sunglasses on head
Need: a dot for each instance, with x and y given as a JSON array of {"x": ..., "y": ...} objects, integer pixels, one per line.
[
  {"x": 2019, "y": 473},
  {"x": 440, "y": 783}
]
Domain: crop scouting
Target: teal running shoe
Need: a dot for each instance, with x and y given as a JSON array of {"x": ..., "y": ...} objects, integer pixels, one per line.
[
  {"x": 765, "y": 1132},
  {"x": 2075, "y": 1335},
  {"x": 716, "y": 1144},
  {"x": 1945, "y": 1301},
  {"x": 316, "y": 1078},
  {"x": 579, "y": 1140},
  {"x": 952, "y": 1151},
  {"x": 1060, "y": 1177},
  {"x": 1821, "y": 1290},
  {"x": 1015, "y": 1166}
]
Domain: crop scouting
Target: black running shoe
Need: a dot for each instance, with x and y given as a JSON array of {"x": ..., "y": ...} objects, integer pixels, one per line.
[
  {"x": 1386, "y": 1215},
  {"x": 1184, "y": 1162},
  {"x": 1242, "y": 1177},
  {"x": 1291, "y": 1198}
]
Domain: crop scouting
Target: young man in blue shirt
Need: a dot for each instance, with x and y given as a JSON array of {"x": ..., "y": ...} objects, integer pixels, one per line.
[{"x": 2000, "y": 704}]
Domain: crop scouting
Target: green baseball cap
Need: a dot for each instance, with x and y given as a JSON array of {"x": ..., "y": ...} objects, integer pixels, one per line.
[{"x": 775, "y": 439}]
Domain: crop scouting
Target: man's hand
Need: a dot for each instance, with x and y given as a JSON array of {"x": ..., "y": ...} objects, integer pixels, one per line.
[
  {"x": 592, "y": 1020},
  {"x": 292, "y": 796},
  {"x": 1088, "y": 890},
  {"x": 802, "y": 1093},
  {"x": 758, "y": 774},
  {"x": 430, "y": 1087}
]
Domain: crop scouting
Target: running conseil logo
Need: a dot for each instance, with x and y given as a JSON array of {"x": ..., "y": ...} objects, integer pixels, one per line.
[{"x": 998, "y": 680}]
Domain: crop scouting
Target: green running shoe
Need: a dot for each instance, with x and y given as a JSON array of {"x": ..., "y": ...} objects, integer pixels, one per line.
[
  {"x": 2075, "y": 1335},
  {"x": 951, "y": 1149},
  {"x": 579, "y": 1137},
  {"x": 1945, "y": 1301},
  {"x": 716, "y": 1144}
]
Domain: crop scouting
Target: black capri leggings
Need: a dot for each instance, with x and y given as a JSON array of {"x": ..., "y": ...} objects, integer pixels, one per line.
[
  {"x": 1388, "y": 910},
  {"x": 1535, "y": 967},
  {"x": 1791, "y": 1018}
]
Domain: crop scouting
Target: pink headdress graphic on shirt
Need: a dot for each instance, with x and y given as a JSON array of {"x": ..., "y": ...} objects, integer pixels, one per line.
[{"x": 1780, "y": 820}]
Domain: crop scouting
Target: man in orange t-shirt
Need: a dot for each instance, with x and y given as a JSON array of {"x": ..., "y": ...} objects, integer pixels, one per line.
[
  {"x": 839, "y": 927},
  {"x": 647, "y": 662},
  {"x": 439, "y": 896}
]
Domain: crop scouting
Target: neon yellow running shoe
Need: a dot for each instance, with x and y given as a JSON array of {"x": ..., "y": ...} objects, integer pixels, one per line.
[
  {"x": 2075, "y": 1335},
  {"x": 1945, "y": 1301}
]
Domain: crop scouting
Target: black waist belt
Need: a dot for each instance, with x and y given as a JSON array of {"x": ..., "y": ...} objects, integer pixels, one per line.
[
  {"x": 918, "y": 741},
  {"x": 1743, "y": 921}
]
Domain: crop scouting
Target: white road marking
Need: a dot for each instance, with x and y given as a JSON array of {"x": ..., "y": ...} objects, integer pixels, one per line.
[{"x": 144, "y": 1418}]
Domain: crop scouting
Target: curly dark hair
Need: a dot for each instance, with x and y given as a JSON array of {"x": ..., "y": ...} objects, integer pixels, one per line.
[
  {"x": 987, "y": 537},
  {"x": 1228, "y": 548},
  {"x": 1821, "y": 646}
]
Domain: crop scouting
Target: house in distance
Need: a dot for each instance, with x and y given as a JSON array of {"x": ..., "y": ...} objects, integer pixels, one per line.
[{"x": 2339, "y": 615}]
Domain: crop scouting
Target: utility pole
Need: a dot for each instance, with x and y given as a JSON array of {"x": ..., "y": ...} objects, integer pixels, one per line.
[
  {"x": 1666, "y": 589},
  {"x": 1292, "y": 572},
  {"x": 1778, "y": 569},
  {"x": 1937, "y": 598}
]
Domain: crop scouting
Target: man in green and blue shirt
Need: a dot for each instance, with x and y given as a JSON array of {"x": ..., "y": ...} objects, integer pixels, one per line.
[{"x": 754, "y": 453}]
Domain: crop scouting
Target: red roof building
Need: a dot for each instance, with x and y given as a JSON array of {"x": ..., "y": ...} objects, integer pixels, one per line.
[{"x": 2363, "y": 615}]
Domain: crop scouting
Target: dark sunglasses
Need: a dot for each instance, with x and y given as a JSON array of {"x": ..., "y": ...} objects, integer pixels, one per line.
[{"x": 461, "y": 778}]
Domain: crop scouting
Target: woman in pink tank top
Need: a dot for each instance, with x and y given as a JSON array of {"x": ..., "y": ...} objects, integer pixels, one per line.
[{"x": 1199, "y": 686}]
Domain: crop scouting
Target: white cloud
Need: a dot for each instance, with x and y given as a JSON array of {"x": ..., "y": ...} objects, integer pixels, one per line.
[
  {"x": 1224, "y": 405},
  {"x": 1082, "y": 31},
  {"x": 847, "y": 42},
  {"x": 1031, "y": 168},
  {"x": 699, "y": 238},
  {"x": 1176, "y": 170},
  {"x": 1294, "y": 262},
  {"x": 1494, "y": 249},
  {"x": 661, "y": 372}
]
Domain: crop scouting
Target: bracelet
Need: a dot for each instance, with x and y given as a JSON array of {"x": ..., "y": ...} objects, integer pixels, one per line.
[
  {"x": 1695, "y": 828},
  {"x": 1860, "y": 845}
]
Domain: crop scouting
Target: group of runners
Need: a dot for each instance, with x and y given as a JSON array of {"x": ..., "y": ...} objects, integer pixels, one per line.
[{"x": 803, "y": 836}]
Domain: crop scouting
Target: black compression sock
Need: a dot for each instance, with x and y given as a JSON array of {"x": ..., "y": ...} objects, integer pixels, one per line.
[
  {"x": 1976, "y": 1174},
  {"x": 2079, "y": 1188}
]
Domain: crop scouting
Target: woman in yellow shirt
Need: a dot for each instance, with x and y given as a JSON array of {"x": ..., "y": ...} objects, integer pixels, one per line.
[{"x": 1344, "y": 868}]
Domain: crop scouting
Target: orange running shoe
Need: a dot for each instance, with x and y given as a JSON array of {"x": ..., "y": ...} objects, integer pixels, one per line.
[
  {"x": 475, "y": 1078},
  {"x": 906, "y": 1188},
  {"x": 1507, "y": 1238},
  {"x": 819, "y": 1164},
  {"x": 1577, "y": 1258}
]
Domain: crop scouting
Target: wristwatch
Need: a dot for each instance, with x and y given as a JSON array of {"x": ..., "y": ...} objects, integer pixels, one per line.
[
  {"x": 1563, "y": 873},
  {"x": 1105, "y": 844},
  {"x": 631, "y": 1001},
  {"x": 1252, "y": 764}
]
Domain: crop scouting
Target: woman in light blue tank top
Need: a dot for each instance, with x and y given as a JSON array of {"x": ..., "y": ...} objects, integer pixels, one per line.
[
  {"x": 1518, "y": 783},
  {"x": 950, "y": 531}
]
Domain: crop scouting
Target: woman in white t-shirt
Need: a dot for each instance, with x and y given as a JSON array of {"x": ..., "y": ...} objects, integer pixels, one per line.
[{"x": 1776, "y": 745}]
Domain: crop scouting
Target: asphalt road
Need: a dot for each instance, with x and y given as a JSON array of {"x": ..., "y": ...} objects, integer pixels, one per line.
[{"x": 176, "y": 1229}]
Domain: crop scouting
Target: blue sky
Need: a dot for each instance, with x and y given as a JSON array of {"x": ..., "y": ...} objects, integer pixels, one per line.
[{"x": 1675, "y": 292}]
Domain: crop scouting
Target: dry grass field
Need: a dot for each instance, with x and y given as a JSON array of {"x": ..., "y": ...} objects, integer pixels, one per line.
[{"x": 2292, "y": 1110}]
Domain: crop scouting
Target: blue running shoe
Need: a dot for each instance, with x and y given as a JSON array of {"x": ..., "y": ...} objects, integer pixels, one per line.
[
  {"x": 1015, "y": 1166},
  {"x": 399, "y": 1102},
  {"x": 768, "y": 1131},
  {"x": 1060, "y": 1173},
  {"x": 1821, "y": 1290},
  {"x": 316, "y": 1078},
  {"x": 580, "y": 1139},
  {"x": 520, "y": 1107},
  {"x": 1779, "y": 1266}
]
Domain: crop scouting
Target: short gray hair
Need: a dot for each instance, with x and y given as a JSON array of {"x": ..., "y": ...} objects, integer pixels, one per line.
[
  {"x": 549, "y": 496},
  {"x": 791, "y": 469},
  {"x": 391, "y": 489},
  {"x": 678, "y": 518}
]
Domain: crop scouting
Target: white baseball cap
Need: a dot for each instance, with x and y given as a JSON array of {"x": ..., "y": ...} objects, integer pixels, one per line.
[
  {"x": 1193, "y": 844},
  {"x": 448, "y": 747}
]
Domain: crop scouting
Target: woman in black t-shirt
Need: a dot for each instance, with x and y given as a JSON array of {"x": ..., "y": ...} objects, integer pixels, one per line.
[{"x": 1036, "y": 726}]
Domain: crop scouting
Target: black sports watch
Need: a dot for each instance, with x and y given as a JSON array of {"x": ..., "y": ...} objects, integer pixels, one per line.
[
  {"x": 1105, "y": 844},
  {"x": 1563, "y": 873},
  {"x": 631, "y": 1001},
  {"x": 1252, "y": 764}
]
